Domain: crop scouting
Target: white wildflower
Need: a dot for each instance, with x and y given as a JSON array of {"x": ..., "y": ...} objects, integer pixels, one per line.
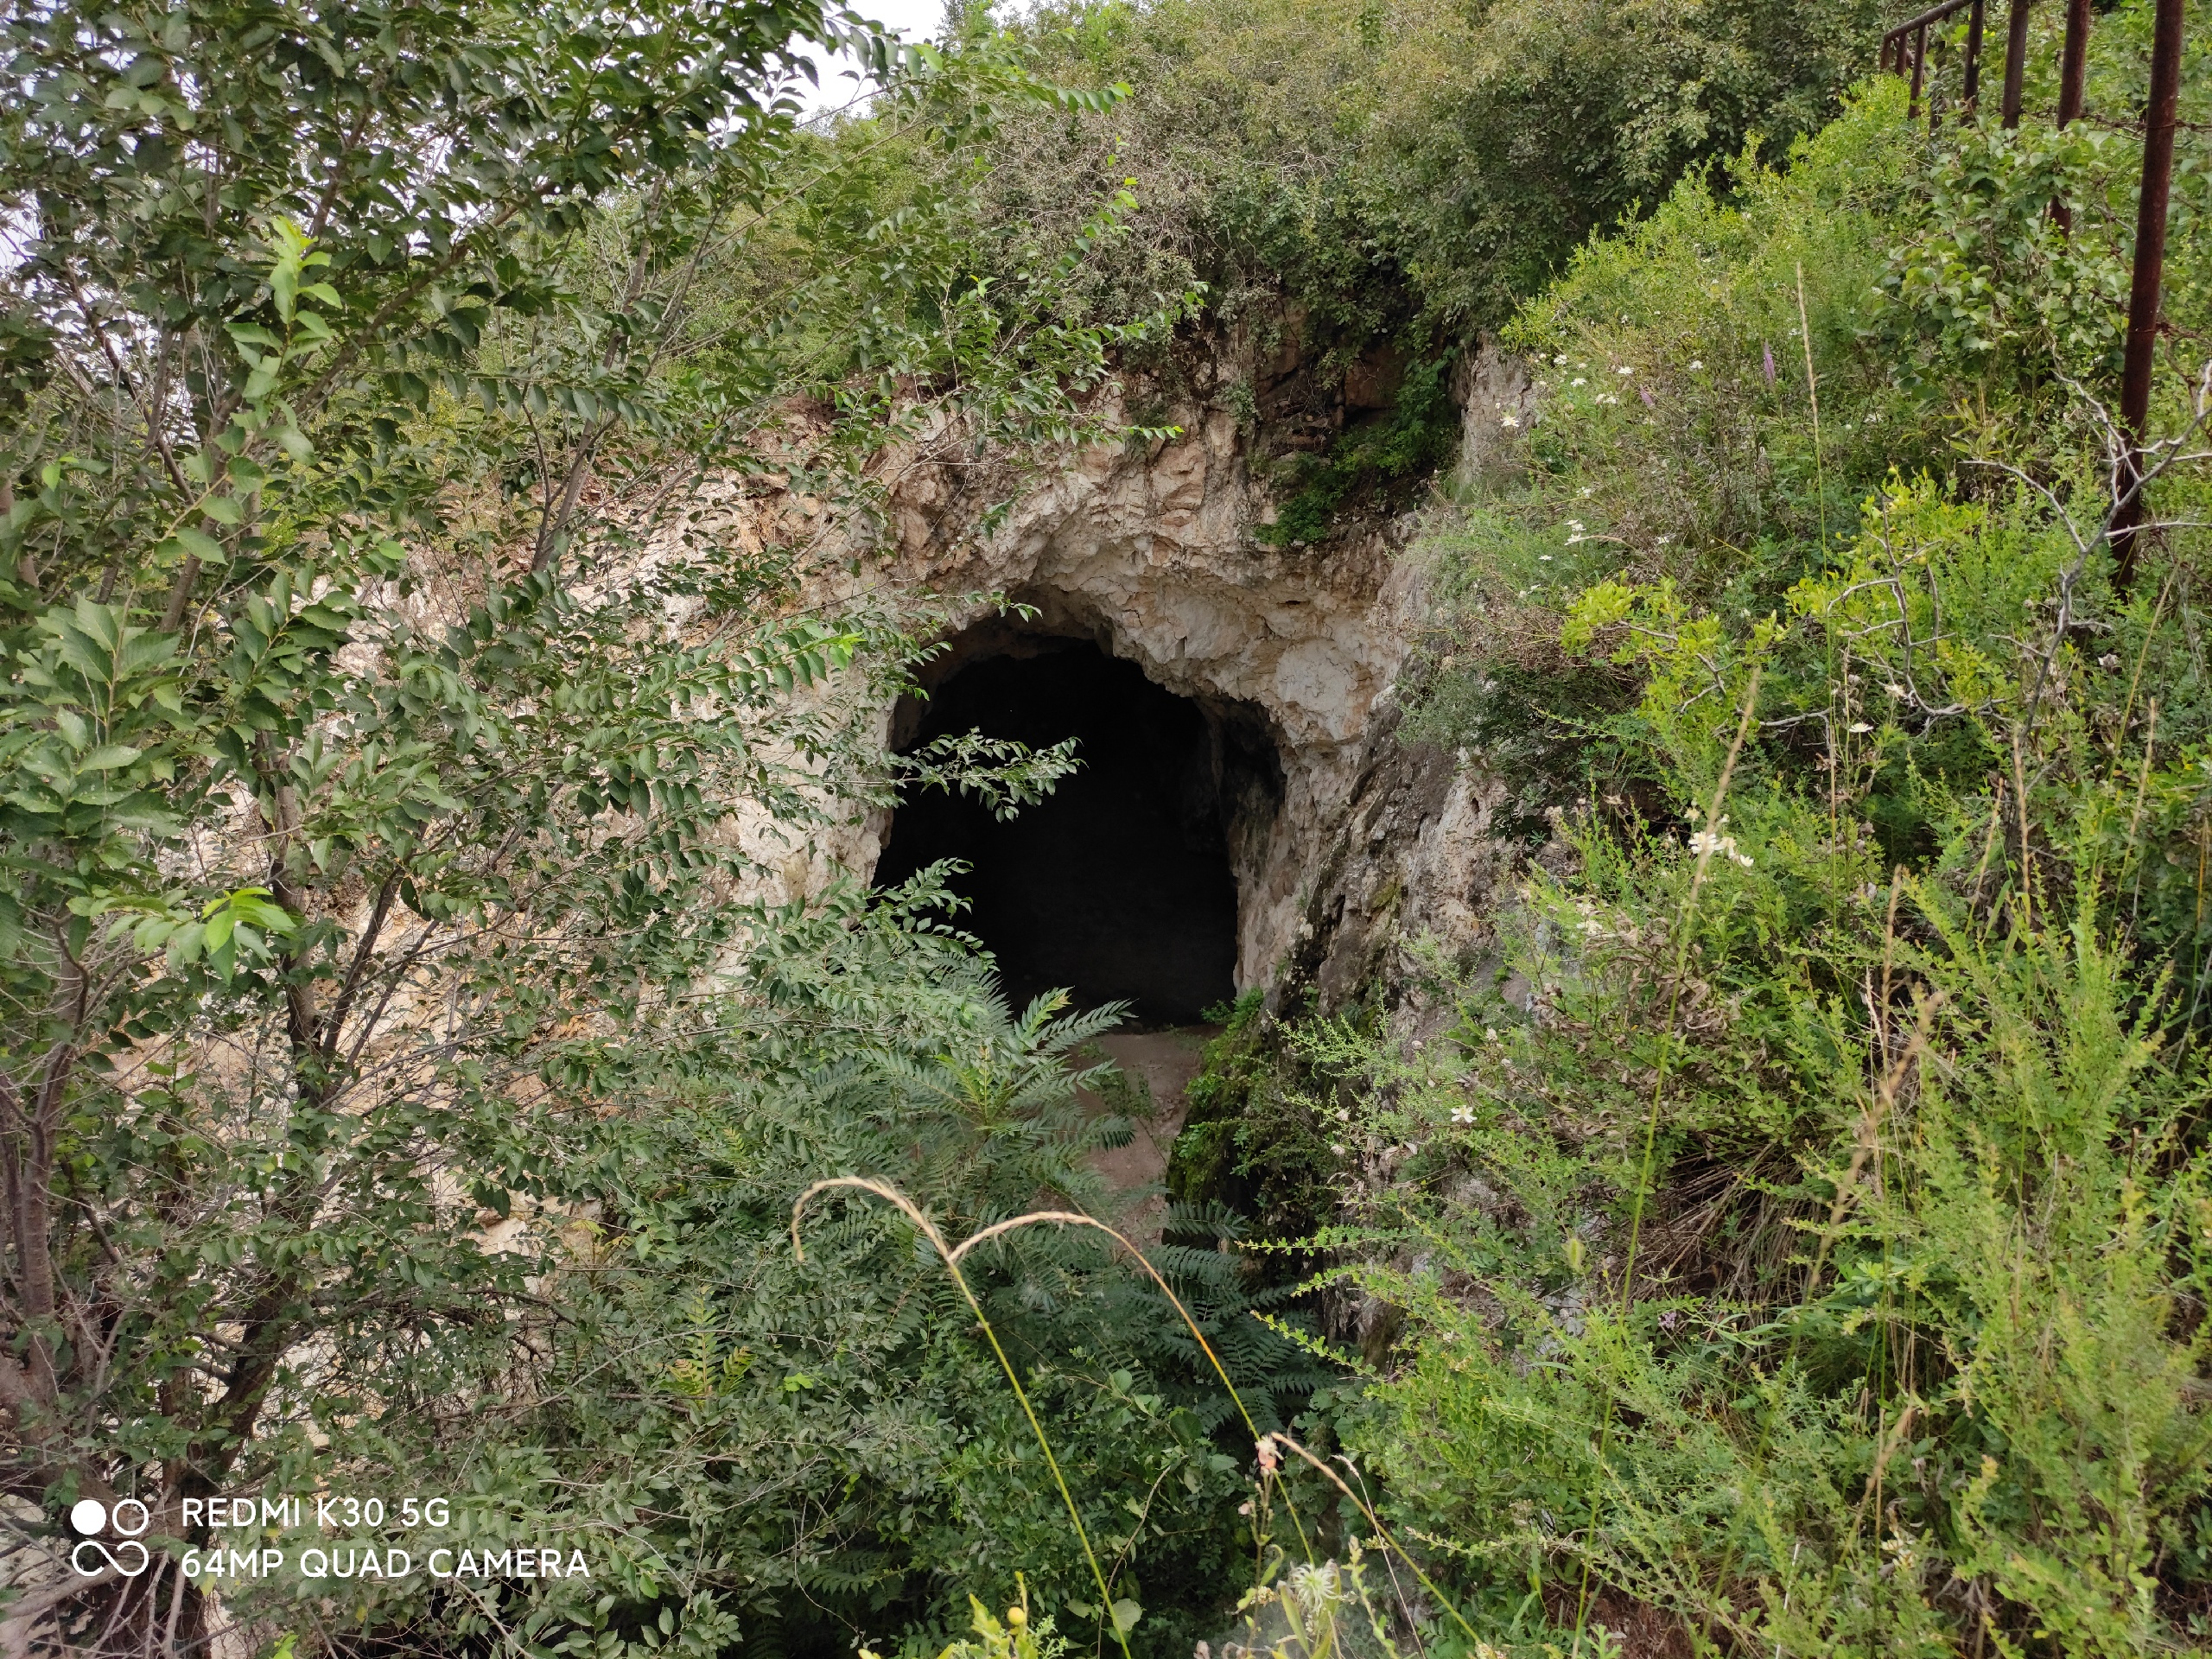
[
  {"x": 1509, "y": 419},
  {"x": 1695, "y": 365},
  {"x": 1560, "y": 362},
  {"x": 1624, "y": 368},
  {"x": 1663, "y": 540},
  {"x": 1896, "y": 690},
  {"x": 1703, "y": 841},
  {"x": 1462, "y": 1114},
  {"x": 1859, "y": 725},
  {"x": 1579, "y": 381}
]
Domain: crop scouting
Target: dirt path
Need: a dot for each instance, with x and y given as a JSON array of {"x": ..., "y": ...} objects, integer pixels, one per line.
[{"x": 1163, "y": 1062}]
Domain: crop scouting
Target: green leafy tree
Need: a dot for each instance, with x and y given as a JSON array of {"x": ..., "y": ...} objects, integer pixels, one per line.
[{"x": 366, "y": 817}]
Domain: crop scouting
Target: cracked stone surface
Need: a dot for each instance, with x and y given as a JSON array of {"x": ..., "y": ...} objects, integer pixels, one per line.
[{"x": 1150, "y": 551}]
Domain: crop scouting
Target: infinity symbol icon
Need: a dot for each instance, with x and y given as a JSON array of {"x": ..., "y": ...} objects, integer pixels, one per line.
[{"x": 77, "y": 1558}]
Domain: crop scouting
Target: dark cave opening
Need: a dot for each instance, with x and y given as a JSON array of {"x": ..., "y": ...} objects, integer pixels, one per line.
[{"x": 1119, "y": 885}]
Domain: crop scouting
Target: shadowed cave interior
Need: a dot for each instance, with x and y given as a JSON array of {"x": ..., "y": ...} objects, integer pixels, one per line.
[{"x": 1121, "y": 884}]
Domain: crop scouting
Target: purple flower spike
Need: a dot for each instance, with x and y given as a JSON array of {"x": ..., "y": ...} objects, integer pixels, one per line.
[
  {"x": 1649, "y": 400},
  {"x": 1767, "y": 352}
]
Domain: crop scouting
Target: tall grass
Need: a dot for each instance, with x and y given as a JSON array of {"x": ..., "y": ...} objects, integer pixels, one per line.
[{"x": 1269, "y": 1448}]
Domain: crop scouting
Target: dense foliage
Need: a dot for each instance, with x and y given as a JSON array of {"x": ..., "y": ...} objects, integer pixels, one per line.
[
  {"x": 421, "y": 1003},
  {"x": 1389, "y": 179},
  {"x": 401, "y": 755},
  {"x": 1423, "y": 165},
  {"x": 1801, "y": 1218}
]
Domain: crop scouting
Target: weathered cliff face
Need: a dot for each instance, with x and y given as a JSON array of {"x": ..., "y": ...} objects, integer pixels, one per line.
[{"x": 1343, "y": 842}]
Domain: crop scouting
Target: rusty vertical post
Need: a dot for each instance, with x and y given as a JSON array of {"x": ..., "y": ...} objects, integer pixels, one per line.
[
  {"x": 2073, "y": 80},
  {"x": 2074, "y": 62},
  {"x": 1919, "y": 70},
  {"x": 1936, "y": 65},
  {"x": 2158, "y": 117},
  {"x": 2016, "y": 62},
  {"x": 1970, "y": 85}
]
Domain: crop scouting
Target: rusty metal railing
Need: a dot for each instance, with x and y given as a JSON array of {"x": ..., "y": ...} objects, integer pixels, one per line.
[{"x": 1905, "y": 50}]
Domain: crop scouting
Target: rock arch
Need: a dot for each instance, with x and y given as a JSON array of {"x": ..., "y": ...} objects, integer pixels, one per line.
[{"x": 1153, "y": 554}]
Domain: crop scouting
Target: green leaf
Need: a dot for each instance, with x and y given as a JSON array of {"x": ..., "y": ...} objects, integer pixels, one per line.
[
  {"x": 246, "y": 905},
  {"x": 199, "y": 544}
]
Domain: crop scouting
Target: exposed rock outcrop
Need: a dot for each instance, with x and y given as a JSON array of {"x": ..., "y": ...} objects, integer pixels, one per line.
[{"x": 1354, "y": 843}]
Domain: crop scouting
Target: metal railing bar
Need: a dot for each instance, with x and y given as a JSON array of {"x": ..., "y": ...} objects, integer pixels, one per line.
[
  {"x": 1970, "y": 93},
  {"x": 1933, "y": 15},
  {"x": 2016, "y": 62}
]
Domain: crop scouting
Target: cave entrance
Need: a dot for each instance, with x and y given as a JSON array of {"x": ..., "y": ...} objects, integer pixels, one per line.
[{"x": 1119, "y": 885}]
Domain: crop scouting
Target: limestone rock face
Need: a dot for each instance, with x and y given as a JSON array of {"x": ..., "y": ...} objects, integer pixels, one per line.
[
  {"x": 1150, "y": 552},
  {"x": 1496, "y": 397}
]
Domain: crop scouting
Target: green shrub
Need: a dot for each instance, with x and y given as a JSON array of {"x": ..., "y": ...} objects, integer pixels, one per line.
[
  {"x": 1411, "y": 441},
  {"x": 1807, "y": 1257}
]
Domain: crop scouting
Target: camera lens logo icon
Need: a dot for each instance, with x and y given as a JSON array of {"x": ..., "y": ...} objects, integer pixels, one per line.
[{"x": 128, "y": 1520}]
